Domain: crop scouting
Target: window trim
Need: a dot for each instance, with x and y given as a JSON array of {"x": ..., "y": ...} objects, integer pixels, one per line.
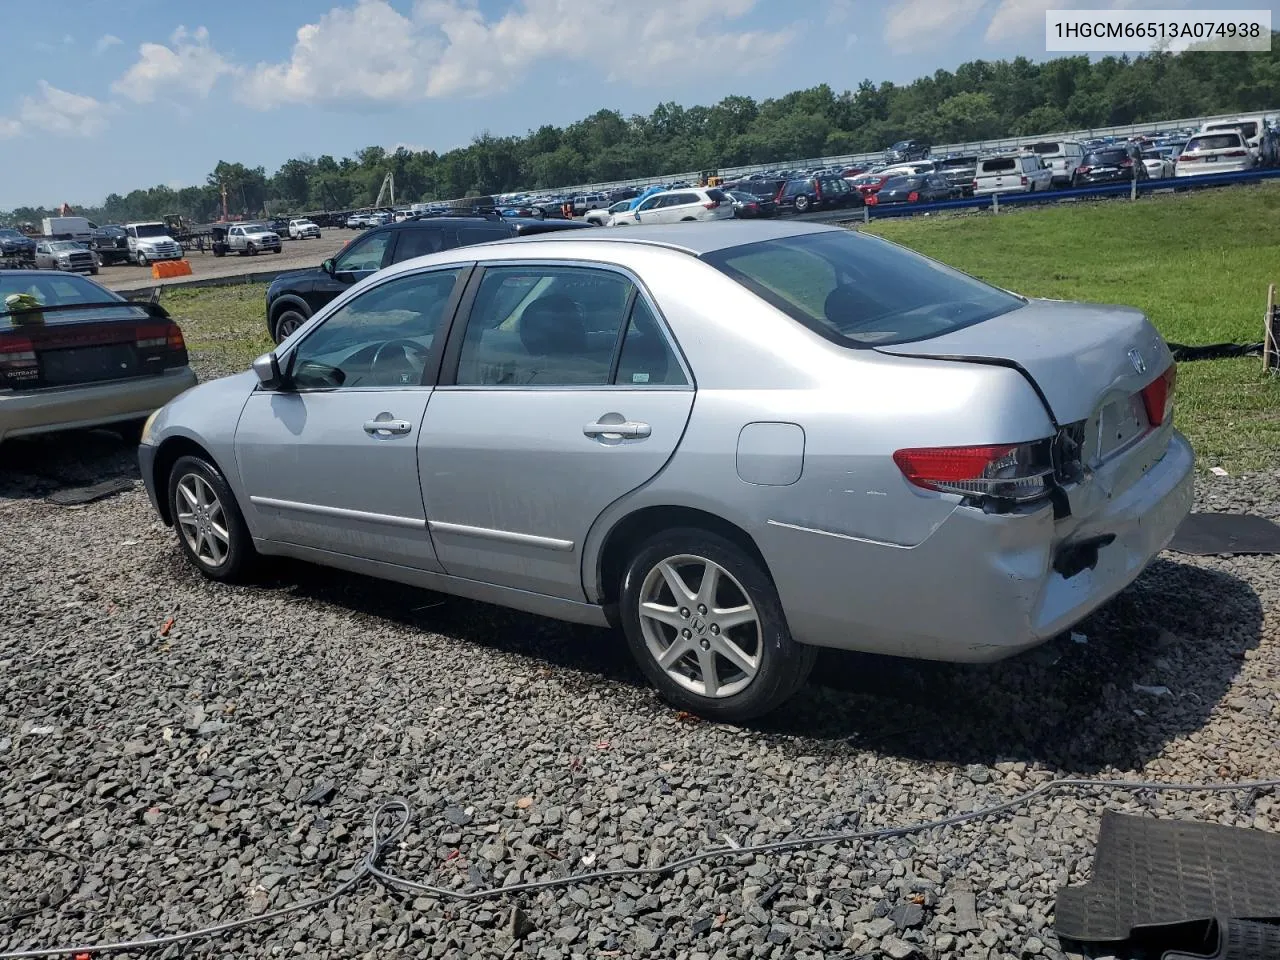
[
  {"x": 448, "y": 370},
  {"x": 430, "y": 371}
]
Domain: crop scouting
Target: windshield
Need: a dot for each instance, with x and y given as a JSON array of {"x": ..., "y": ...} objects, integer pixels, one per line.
[
  {"x": 151, "y": 230},
  {"x": 9, "y": 233},
  {"x": 65, "y": 245},
  {"x": 1220, "y": 141},
  {"x": 859, "y": 290}
]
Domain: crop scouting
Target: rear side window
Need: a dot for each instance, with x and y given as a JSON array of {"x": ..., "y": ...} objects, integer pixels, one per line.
[
  {"x": 468, "y": 235},
  {"x": 999, "y": 165},
  {"x": 646, "y": 358},
  {"x": 1051, "y": 149},
  {"x": 859, "y": 290},
  {"x": 419, "y": 242}
]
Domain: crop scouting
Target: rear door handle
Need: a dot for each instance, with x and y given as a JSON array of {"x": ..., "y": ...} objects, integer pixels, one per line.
[
  {"x": 377, "y": 428},
  {"x": 626, "y": 430}
]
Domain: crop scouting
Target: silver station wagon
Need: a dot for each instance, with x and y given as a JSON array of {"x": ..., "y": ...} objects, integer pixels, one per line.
[{"x": 736, "y": 441}]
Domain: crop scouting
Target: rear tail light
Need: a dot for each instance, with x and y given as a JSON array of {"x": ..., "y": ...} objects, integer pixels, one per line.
[
  {"x": 1016, "y": 472},
  {"x": 1157, "y": 396},
  {"x": 18, "y": 362},
  {"x": 711, "y": 204},
  {"x": 1184, "y": 158},
  {"x": 1127, "y": 162},
  {"x": 1023, "y": 180},
  {"x": 817, "y": 191},
  {"x": 1236, "y": 153},
  {"x": 913, "y": 196},
  {"x": 161, "y": 342},
  {"x": 974, "y": 184},
  {"x": 1083, "y": 169},
  {"x": 872, "y": 199}
]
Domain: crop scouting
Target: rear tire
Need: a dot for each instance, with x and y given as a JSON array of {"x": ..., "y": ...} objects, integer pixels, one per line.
[
  {"x": 211, "y": 529},
  {"x": 802, "y": 204},
  {"x": 732, "y": 627}
]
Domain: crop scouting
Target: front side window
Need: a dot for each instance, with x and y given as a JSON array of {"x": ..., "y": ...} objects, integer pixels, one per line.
[
  {"x": 380, "y": 338},
  {"x": 858, "y": 290},
  {"x": 544, "y": 326},
  {"x": 365, "y": 254}
]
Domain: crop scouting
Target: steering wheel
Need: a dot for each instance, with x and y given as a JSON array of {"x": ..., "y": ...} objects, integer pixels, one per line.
[{"x": 412, "y": 353}]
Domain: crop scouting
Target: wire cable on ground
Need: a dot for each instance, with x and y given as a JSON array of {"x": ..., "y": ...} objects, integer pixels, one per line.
[{"x": 392, "y": 818}]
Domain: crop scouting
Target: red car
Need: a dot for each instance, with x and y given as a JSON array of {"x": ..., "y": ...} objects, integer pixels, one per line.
[{"x": 869, "y": 184}]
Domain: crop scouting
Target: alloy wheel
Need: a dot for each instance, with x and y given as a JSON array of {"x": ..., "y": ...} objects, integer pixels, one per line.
[
  {"x": 700, "y": 626},
  {"x": 202, "y": 520}
]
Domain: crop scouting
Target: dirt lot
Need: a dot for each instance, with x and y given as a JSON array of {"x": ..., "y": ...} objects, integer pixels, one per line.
[{"x": 296, "y": 254}]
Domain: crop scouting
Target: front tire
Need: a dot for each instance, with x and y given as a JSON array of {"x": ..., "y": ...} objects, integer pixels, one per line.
[
  {"x": 142, "y": 260},
  {"x": 211, "y": 530},
  {"x": 802, "y": 204},
  {"x": 287, "y": 322},
  {"x": 704, "y": 622}
]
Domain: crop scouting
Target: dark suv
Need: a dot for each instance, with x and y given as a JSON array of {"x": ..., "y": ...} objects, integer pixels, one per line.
[
  {"x": 293, "y": 297},
  {"x": 814, "y": 193},
  {"x": 905, "y": 150},
  {"x": 1114, "y": 163}
]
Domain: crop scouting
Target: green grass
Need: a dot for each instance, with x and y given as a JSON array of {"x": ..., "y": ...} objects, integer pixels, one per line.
[
  {"x": 225, "y": 327},
  {"x": 1198, "y": 264}
]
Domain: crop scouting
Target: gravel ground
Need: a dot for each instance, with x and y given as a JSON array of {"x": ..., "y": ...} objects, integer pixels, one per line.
[
  {"x": 174, "y": 762},
  {"x": 294, "y": 255}
]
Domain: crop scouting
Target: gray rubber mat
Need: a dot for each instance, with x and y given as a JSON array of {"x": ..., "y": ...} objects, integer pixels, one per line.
[
  {"x": 1236, "y": 940},
  {"x": 76, "y": 496},
  {"x": 1207, "y": 534},
  {"x": 1151, "y": 873}
]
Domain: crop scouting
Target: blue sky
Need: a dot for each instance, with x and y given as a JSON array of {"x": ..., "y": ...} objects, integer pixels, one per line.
[{"x": 101, "y": 96}]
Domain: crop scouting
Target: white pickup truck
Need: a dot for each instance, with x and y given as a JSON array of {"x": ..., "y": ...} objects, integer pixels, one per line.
[
  {"x": 149, "y": 242},
  {"x": 251, "y": 239}
]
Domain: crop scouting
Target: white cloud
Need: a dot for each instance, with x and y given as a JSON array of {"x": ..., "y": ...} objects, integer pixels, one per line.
[
  {"x": 58, "y": 112},
  {"x": 189, "y": 64},
  {"x": 913, "y": 25},
  {"x": 372, "y": 52},
  {"x": 1018, "y": 19},
  {"x": 106, "y": 42}
]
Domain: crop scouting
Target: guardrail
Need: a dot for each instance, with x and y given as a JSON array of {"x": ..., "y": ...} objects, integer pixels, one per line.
[{"x": 996, "y": 201}]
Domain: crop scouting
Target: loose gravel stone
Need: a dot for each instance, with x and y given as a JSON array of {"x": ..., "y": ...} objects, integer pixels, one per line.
[{"x": 176, "y": 766}]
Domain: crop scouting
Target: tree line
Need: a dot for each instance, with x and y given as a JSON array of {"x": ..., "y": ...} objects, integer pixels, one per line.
[{"x": 979, "y": 100}]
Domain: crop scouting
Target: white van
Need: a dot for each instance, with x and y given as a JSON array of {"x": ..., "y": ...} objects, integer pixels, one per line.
[
  {"x": 1011, "y": 173},
  {"x": 1061, "y": 157}
]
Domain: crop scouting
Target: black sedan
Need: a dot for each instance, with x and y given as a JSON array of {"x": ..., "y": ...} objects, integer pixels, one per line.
[
  {"x": 748, "y": 205},
  {"x": 926, "y": 188}
]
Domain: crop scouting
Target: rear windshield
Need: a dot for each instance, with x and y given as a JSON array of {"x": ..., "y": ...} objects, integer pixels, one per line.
[
  {"x": 859, "y": 290},
  {"x": 902, "y": 183},
  {"x": 999, "y": 163},
  {"x": 1049, "y": 149},
  {"x": 18, "y": 292},
  {"x": 957, "y": 163},
  {"x": 716, "y": 195},
  {"x": 1249, "y": 129},
  {"x": 1219, "y": 141},
  {"x": 1103, "y": 158}
]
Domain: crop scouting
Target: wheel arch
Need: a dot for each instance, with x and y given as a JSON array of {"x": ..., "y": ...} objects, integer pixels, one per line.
[
  {"x": 171, "y": 449},
  {"x": 628, "y": 532},
  {"x": 287, "y": 301}
]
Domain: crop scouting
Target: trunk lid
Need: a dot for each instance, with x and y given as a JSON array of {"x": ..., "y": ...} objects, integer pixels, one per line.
[
  {"x": 1081, "y": 357},
  {"x": 60, "y": 346}
]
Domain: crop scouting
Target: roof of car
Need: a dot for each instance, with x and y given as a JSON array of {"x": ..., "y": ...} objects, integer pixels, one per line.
[{"x": 694, "y": 238}]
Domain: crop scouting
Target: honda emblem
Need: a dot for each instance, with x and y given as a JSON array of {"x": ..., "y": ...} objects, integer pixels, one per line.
[{"x": 1139, "y": 365}]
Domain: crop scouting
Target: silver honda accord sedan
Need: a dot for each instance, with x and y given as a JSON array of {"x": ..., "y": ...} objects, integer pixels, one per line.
[{"x": 737, "y": 441}]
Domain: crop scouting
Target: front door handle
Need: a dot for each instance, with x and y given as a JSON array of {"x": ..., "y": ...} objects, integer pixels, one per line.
[
  {"x": 624, "y": 430},
  {"x": 387, "y": 428}
]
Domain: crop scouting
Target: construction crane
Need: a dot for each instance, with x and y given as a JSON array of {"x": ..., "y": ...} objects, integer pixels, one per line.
[{"x": 388, "y": 188}]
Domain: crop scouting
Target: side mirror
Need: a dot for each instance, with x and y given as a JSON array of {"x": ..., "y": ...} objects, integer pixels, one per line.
[
  {"x": 327, "y": 266},
  {"x": 267, "y": 367}
]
